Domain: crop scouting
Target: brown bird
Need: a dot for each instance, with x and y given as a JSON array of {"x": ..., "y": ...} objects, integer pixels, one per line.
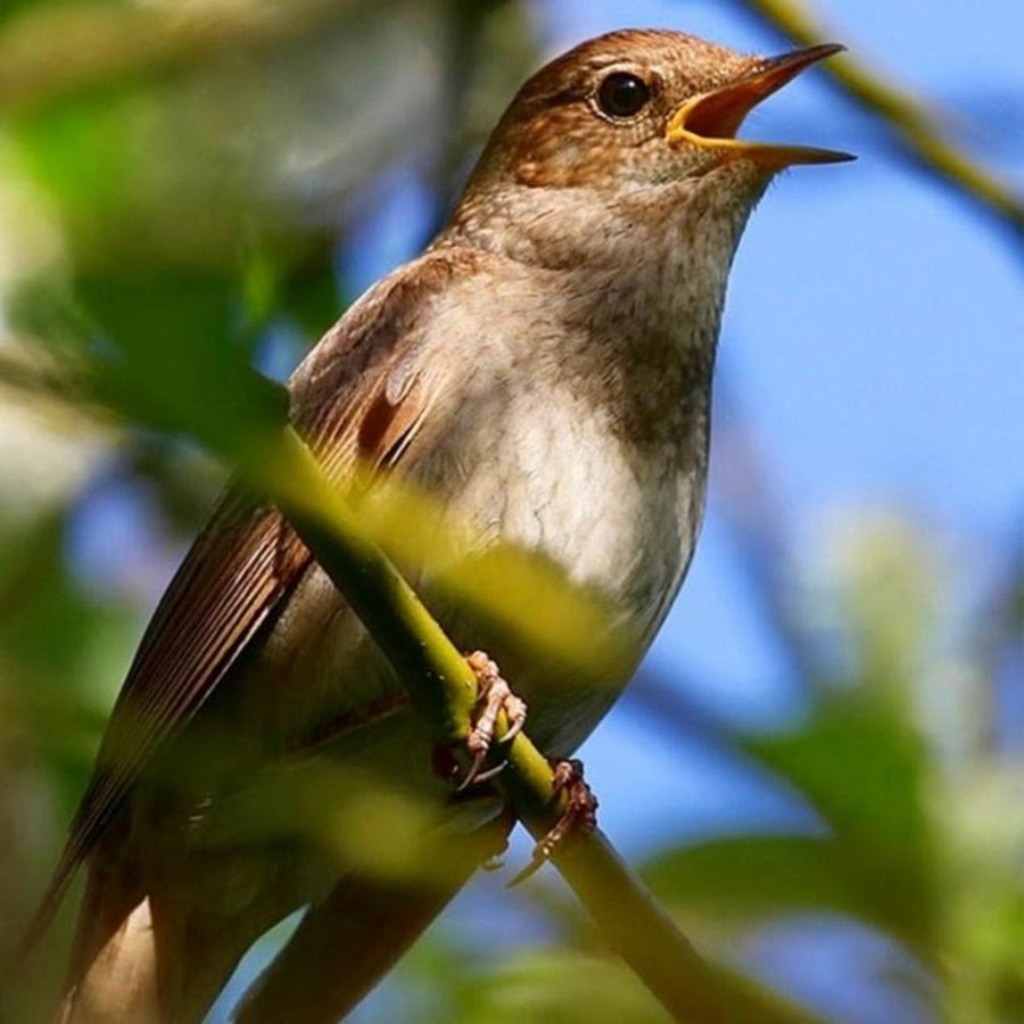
[{"x": 544, "y": 371}]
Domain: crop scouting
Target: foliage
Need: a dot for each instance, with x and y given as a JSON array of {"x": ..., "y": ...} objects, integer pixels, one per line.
[{"x": 175, "y": 188}]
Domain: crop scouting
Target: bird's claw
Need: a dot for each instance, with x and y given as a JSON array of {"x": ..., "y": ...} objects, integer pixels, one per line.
[
  {"x": 578, "y": 818},
  {"x": 495, "y": 697}
]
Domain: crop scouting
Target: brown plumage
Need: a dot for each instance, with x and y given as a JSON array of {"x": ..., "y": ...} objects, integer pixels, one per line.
[{"x": 543, "y": 370}]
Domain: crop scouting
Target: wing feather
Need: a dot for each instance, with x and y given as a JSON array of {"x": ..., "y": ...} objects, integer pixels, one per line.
[{"x": 247, "y": 558}]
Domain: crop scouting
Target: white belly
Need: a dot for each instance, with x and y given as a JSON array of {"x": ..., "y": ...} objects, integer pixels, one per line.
[{"x": 568, "y": 488}]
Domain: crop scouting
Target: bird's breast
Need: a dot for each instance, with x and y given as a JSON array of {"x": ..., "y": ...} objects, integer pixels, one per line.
[
  {"x": 551, "y": 473},
  {"x": 577, "y": 443},
  {"x": 545, "y": 469}
]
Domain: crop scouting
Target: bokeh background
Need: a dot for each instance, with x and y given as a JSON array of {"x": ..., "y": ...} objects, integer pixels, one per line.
[{"x": 819, "y": 769}]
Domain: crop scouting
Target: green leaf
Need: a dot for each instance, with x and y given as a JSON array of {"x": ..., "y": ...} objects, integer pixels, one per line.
[
  {"x": 164, "y": 354},
  {"x": 750, "y": 876},
  {"x": 863, "y": 770},
  {"x": 861, "y": 767}
]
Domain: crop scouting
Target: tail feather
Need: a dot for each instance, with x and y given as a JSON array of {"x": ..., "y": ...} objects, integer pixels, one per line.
[
  {"x": 348, "y": 942},
  {"x": 144, "y": 949},
  {"x": 120, "y": 982},
  {"x": 112, "y": 968},
  {"x": 340, "y": 951}
]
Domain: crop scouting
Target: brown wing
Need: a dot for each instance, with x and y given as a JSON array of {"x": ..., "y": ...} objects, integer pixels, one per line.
[{"x": 362, "y": 390}]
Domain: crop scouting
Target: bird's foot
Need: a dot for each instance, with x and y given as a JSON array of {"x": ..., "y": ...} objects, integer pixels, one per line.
[
  {"x": 495, "y": 697},
  {"x": 578, "y": 818}
]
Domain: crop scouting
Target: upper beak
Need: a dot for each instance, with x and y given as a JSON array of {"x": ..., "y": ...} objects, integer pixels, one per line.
[{"x": 712, "y": 119}]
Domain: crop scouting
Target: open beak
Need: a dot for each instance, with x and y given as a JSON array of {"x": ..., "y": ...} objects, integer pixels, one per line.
[{"x": 712, "y": 119}]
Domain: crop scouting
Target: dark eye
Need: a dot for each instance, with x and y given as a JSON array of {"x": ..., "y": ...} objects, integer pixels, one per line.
[{"x": 623, "y": 95}]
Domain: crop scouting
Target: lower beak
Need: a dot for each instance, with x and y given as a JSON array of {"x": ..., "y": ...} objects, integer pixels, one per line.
[{"x": 712, "y": 119}]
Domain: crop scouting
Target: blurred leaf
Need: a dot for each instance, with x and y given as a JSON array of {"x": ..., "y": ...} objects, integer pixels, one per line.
[
  {"x": 166, "y": 356},
  {"x": 61, "y": 639},
  {"x": 865, "y": 771},
  {"x": 553, "y": 985},
  {"x": 310, "y": 292},
  {"x": 861, "y": 768},
  {"x": 749, "y": 876}
]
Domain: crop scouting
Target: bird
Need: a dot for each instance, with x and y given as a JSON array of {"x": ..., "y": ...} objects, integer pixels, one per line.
[{"x": 543, "y": 372}]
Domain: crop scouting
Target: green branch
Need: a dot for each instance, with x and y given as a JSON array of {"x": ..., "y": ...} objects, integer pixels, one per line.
[
  {"x": 51, "y": 52},
  {"x": 444, "y": 689}
]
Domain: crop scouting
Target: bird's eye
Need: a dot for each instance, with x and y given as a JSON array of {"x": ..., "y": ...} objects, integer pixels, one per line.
[{"x": 623, "y": 94}]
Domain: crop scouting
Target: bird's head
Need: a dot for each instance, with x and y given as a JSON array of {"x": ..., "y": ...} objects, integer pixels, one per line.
[
  {"x": 628, "y": 115},
  {"x": 635, "y": 108}
]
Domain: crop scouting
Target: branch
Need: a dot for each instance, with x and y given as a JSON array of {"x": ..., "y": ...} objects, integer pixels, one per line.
[
  {"x": 444, "y": 690},
  {"x": 917, "y": 132},
  {"x": 51, "y": 53}
]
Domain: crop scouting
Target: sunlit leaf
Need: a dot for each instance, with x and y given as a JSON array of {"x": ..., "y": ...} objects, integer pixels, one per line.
[{"x": 864, "y": 771}]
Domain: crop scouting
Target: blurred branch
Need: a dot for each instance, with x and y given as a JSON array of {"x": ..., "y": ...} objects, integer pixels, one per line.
[
  {"x": 753, "y": 512},
  {"x": 485, "y": 43},
  {"x": 444, "y": 689},
  {"x": 917, "y": 131},
  {"x": 32, "y": 563},
  {"x": 669, "y": 707},
  {"x": 52, "y": 52},
  {"x": 30, "y": 378},
  {"x": 997, "y": 627}
]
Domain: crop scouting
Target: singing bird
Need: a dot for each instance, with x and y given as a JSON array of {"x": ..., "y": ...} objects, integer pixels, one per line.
[{"x": 543, "y": 370}]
